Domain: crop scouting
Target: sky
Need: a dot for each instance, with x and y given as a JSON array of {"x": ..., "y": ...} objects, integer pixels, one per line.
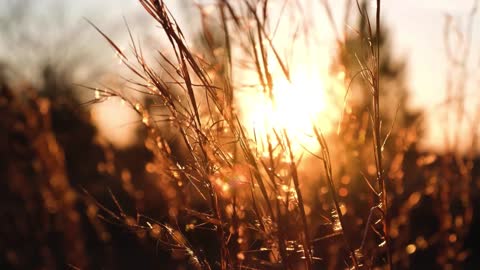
[{"x": 417, "y": 28}]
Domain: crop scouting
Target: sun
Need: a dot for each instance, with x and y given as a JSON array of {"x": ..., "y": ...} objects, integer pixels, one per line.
[{"x": 293, "y": 107}]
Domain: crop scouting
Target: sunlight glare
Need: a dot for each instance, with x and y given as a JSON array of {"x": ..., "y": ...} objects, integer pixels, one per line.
[{"x": 293, "y": 107}]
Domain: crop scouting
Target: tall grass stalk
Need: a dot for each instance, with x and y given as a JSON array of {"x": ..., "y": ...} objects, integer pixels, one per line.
[{"x": 202, "y": 108}]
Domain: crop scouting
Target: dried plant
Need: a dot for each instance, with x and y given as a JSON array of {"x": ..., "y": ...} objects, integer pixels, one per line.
[
  {"x": 234, "y": 196},
  {"x": 218, "y": 143}
]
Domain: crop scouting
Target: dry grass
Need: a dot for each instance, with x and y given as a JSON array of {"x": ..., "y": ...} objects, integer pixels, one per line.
[
  {"x": 211, "y": 165},
  {"x": 235, "y": 200}
]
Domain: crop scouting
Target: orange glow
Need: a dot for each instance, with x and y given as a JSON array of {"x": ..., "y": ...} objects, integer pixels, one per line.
[
  {"x": 411, "y": 249},
  {"x": 293, "y": 106},
  {"x": 343, "y": 192}
]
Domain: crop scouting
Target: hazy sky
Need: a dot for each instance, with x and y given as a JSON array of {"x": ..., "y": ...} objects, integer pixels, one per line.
[{"x": 417, "y": 27}]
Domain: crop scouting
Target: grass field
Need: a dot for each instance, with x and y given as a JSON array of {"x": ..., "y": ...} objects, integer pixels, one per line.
[{"x": 255, "y": 148}]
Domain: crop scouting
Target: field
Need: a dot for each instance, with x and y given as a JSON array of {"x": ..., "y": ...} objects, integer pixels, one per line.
[{"x": 256, "y": 144}]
